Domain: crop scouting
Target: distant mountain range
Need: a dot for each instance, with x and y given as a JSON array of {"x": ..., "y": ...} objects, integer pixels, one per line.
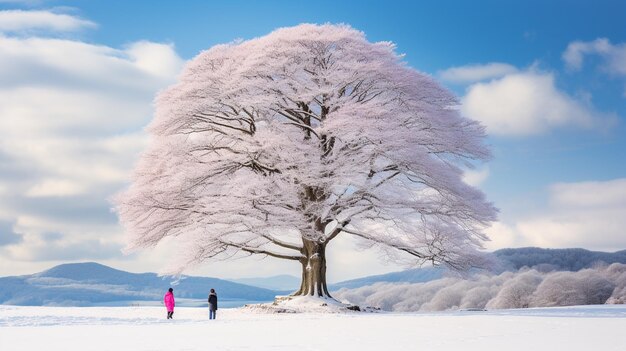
[
  {"x": 416, "y": 275},
  {"x": 556, "y": 259},
  {"x": 89, "y": 284}
]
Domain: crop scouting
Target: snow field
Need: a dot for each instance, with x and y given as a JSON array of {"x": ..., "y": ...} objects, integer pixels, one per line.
[{"x": 145, "y": 328}]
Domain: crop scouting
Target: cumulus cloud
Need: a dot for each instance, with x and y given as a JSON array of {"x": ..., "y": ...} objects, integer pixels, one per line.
[
  {"x": 154, "y": 58},
  {"x": 475, "y": 73},
  {"x": 50, "y": 236},
  {"x": 605, "y": 194},
  {"x": 476, "y": 177},
  {"x": 55, "y": 187},
  {"x": 20, "y": 21},
  {"x": 7, "y": 236},
  {"x": 528, "y": 103},
  {"x": 80, "y": 250},
  {"x": 72, "y": 125},
  {"x": 614, "y": 56},
  {"x": 583, "y": 214}
]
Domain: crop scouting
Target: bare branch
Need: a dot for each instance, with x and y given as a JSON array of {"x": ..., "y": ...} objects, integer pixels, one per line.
[
  {"x": 254, "y": 250},
  {"x": 281, "y": 243}
]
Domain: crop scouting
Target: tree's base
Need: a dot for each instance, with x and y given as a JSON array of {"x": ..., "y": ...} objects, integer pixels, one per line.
[{"x": 304, "y": 304}]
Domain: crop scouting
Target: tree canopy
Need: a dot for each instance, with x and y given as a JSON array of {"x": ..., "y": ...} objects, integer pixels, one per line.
[{"x": 277, "y": 145}]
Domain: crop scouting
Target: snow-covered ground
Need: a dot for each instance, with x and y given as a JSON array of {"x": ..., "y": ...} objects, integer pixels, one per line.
[{"x": 600, "y": 328}]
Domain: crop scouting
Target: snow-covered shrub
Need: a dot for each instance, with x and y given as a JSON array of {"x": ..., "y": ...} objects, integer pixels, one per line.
[
  {"x": 448, "y": 298},
  {"x": 558, "y": 289},
  {"x": 421, "y": 293},
  {"x": 388, "y": 295},
  {"x": 525, "y": 288},
  {"x": 573, "y": 288},
  {"x": 517, "y": 292},
  {"x": 595, "y": 287},
  {"x": 477, "y": 297},
  {"x": 617, "y": 274},
  {"x": 357, "y": 296}
]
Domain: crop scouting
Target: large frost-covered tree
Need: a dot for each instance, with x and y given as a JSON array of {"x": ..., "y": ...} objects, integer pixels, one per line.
[{"x": 278, "y": 145}]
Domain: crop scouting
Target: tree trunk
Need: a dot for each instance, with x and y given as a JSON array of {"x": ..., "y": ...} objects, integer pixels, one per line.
[{"x": 313, "y": 270}]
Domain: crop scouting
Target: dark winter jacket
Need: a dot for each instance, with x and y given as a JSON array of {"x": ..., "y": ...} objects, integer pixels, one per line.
[{"x": 213, "y": 302}]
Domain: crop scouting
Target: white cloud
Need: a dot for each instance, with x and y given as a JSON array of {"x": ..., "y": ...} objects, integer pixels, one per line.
[
  {"x": 475, "y": 177},
  {"x": 55, "y": 187},
  {"x": 19, "y": 20},
  {"x": 528, "y": 103},
  {"x": 583, "y": 195},
  {"x": 7, "y": 236},
  {"x": 501, "y": 236},
  {"x": 36, "y": 62},
  {"x": 154, "y": 58},
  {"x": 583, "y": 214},
  {"x": 54, "y": 239},
  {"x": 614, "y": 55},
  {"x": 475, "y": 73},
  {"x": 71, "y": 128}
]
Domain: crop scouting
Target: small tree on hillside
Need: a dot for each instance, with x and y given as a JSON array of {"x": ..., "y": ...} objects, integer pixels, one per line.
[{"x": 275, "y": 146}]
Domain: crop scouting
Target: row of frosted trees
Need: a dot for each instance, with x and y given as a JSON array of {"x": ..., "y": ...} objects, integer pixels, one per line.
[{"x": 525, "y": 288}]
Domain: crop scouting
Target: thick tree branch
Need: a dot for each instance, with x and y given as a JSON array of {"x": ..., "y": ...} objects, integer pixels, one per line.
[
  {"x": 409, "y": 250},
  {"x": 256, "y": 250},
  {"x": 281, "y": 243}
]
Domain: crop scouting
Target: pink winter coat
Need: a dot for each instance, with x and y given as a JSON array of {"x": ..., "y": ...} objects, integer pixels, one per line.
[{"x": 168, "y": 299}]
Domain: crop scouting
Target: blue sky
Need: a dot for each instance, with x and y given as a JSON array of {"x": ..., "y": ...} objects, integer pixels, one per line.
[{"x": 547, "y": 78}]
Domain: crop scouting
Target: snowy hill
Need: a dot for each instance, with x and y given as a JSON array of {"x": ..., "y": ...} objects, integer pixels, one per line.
[
  {"x": 416, "y": 275},
  {"x": 88, "y": 284}
]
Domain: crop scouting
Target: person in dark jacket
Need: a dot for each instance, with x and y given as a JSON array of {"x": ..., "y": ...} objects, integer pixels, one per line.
[{"x": 212, "y": 304}]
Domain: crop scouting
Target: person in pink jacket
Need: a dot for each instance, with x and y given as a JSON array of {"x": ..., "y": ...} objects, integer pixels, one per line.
[{"x": 168, "y": 299}]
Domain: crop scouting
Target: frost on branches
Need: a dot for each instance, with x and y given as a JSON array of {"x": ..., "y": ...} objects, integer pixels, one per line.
[{"x": 277, "y": 145}]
